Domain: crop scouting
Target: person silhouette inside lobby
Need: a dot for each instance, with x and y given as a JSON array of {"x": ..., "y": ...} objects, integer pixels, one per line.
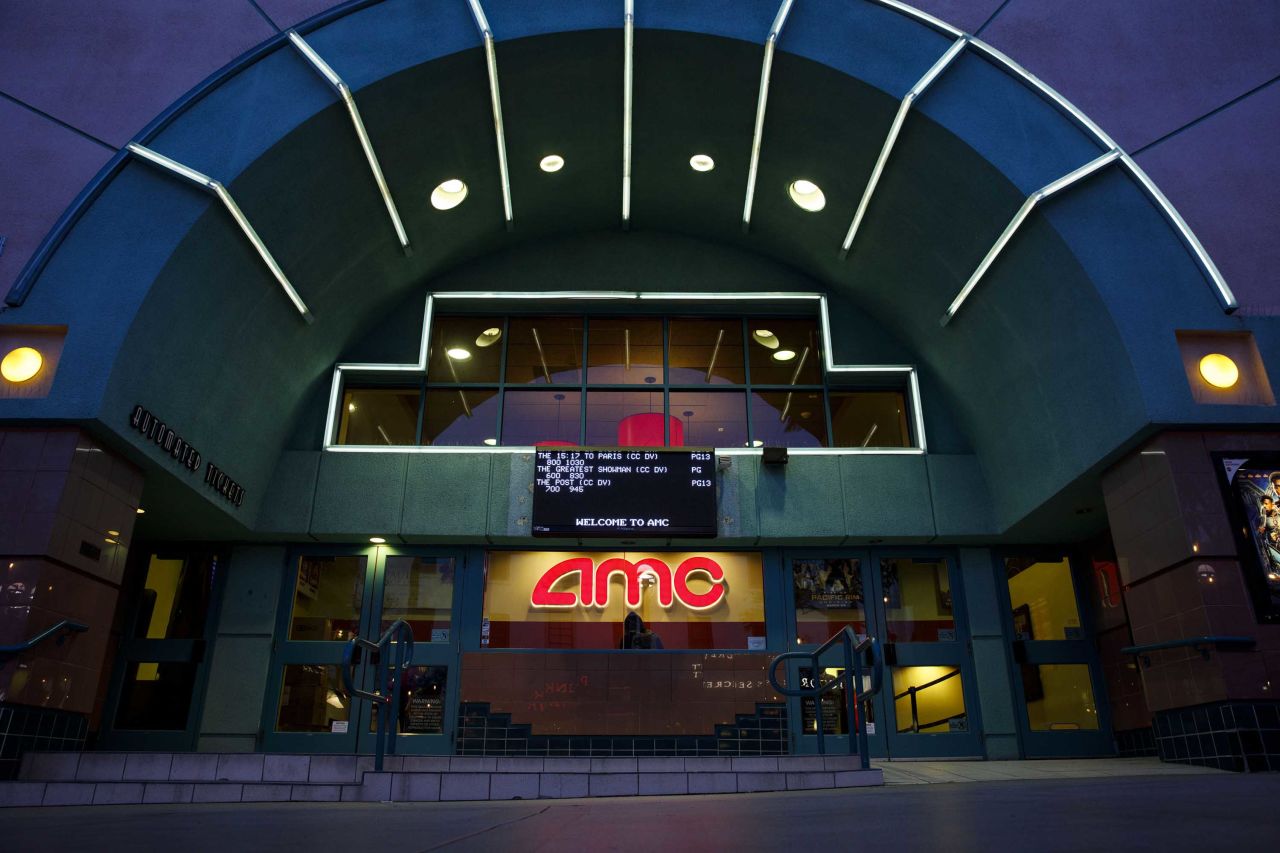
[{"x": 636, "y": 636}]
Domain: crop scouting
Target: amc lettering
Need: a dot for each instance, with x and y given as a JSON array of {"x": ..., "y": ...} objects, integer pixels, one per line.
[{"x": 593, "y": 583}]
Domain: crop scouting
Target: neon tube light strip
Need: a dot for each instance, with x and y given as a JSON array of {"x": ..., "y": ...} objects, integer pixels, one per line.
[
  {"x": 1225, "y": 296},
  {"x": 420, "y": 369},
  {"x": 628, "y": 76},
  {"x": 344, "y": 92},
  {"x": 910, "y": 98},
  {"x": 495, "y": 97},
  {"x": 1018, "y": 218},
  {"x": 762, "y": 101},
  {"x": 216, "y": 187}
]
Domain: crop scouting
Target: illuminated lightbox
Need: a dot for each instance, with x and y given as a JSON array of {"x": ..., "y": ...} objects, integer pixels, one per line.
[{"x": 625, "y": 492}]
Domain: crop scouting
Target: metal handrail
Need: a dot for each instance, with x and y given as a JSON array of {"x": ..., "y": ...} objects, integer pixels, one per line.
[
  {"x": 62, "y": 629},
  {"x": 387, "y": 672},
  {"x": 1203, "y": 642},
  {"x": 850, "y": 677},
  {"x": 915, "y": 711}
]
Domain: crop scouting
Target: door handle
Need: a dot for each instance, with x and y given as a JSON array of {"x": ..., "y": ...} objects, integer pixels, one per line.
[{"x": 1019, "y": 651}]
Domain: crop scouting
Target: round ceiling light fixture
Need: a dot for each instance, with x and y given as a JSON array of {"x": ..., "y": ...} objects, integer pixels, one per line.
[
  {"x": 701, "y": 163},
  {"x": 765, "y": 338},
  {"x": 551, "y": 163},
  {"x": 491, "y": 442},
  {"x": 449, "y": 194},
  {"x": 21, "y": 364},
  {"x": 1217, "y": 369},
  {"x": 807, "y": 195},
  {"x": 784, "y": 355},
  {"x": 458, "y": 353},
  {"x": 489, "y": 337},
  {"x": 757, "y": 443}
]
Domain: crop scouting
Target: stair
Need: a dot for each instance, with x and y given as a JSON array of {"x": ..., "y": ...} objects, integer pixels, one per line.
[{"x": 117, "y": 778}]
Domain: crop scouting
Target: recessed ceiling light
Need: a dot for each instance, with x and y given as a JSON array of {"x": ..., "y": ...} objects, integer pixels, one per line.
[
  {"x": 351, "y": 407},
  {"x": 701, "y": 163},
  {"x": 489, "y": 337},
  {"x": 1219, "y": 370},
  {"x": 449, "y": 194},
  {"x": 551, "y": 163},
  {"x": 757, "y": 443},
  {"x": 377, "y": 540},
  {"x": 140, "y": 511},
  {"x": 458, "y": 353},
  {"x": 765, "y": 338},
  {"x": 113, "y": 532},
  {"x": 492, "y": 442},
  {"x": 807, "y": 195},
  {"x": 784, "y": 355}
]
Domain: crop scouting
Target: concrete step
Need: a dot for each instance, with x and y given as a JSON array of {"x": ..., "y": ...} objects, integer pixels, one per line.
[{"x": 95, "y": 778}]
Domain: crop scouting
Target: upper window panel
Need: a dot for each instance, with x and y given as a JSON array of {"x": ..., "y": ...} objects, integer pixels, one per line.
[
  {"x": 784, "y": 352},
  {"x": 869, "y": 419},
  {"x": 544, "y": 351},
  {"x": 465, "y": 349},
  {"x": 706, "y": 352},
  {"x": 624, "y": 351}
]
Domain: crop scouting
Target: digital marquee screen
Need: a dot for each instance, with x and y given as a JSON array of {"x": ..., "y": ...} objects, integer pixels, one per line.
[{"x": 626, "y": 492}]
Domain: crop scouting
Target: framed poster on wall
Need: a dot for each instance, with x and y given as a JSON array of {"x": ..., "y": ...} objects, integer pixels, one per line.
[{"x": 1251, "y": 488}]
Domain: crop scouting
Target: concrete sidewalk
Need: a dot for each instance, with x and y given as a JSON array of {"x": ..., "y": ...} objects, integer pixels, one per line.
[
  {"x": 1156, "y": 811},
  {"x": 933, "y": 772}
]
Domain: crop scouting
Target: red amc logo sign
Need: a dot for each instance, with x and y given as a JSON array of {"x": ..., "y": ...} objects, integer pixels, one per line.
[{"x": 593, "y": 583}]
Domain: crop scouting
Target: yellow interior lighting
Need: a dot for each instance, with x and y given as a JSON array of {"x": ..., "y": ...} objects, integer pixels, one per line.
[
  {"x": 1219, "y": 370},
  {"x": 21, "y": 364}
]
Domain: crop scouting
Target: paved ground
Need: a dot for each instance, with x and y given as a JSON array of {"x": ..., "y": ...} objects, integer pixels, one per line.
[
  {"x": 1158, "y": 811},
  {"x": 933, "y": 772}
]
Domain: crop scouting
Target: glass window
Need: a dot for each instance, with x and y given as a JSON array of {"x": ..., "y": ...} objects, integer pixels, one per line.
[
  {"x": 541, "y": 418},
  {"x": 327, "y": 598},
  {"x": 928, "y": 699},
  {"x": 788, "y": 419},
  {"x": 835, "y": 713},
  {"x": 784, "y": 352},
  {"x": 629, "y": 419},
  {"x": 312, "y": 699},
  {"x": 422, "y": 693},
  {"x": 461, "y": 416},
  {"x": 465, "y": 349},
  {"x": 175, "y": 598},
  {"x": 624, "y": 351},
  {"x": 917, "y": 600},
  {"x": 545, "y": 350},
  {"x": 1059, "y": 697},
  {"x": 828, "y": 597},
  {"x": 156, "y": 696},
  {"x": 419, "y": 590},
  {"x": 1043, "y": 599},
  {"x": 710, "y": 418},
  {"x": 379, "y": 416},
  {"x": 869, "y": 419},
  {"x": 706, "y": 352},
  {"x": 698, "y": 615}
]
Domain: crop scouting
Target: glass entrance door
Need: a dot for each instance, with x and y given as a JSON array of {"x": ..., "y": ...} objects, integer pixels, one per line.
[
  {"x": 911, "y": 605},
  {"x": 160, "y": 672},
  {"x": 329, "y": 597},
  {"x": 1054, "y": 663}
]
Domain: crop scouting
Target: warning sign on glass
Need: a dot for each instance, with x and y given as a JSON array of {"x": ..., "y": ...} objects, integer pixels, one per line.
[{"x": 611, "y": 493}]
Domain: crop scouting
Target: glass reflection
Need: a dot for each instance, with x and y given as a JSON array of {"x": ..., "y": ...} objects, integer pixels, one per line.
[
  {"x": 465, "y": 349},
  {"x": 545, "y": 350},
  {"x": 381, "y": 416},
  {"x": 312, "y": 699},
  {"x": 327, "y": 597},
  {"x": 630, "y": 419},
  {"x": 788, "y": 419},
  {"x": 869, "y": 419},
  {"x": 929, "y": 699},
  {"x": 461, "y": 416},
  {"x": 625, "y": 351},
  {"x": 917, "y": 600},
  {"x": 706, "y": 352},
  {"x": 710, "y": 418},
  {"x": 541, "y": 418}
]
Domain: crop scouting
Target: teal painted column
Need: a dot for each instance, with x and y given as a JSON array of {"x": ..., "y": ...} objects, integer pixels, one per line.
[
  {"x": 241, "y": 654},
  {"x": 991, "y": 657}
]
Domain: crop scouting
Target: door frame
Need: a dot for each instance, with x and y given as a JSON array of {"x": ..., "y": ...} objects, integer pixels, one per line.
[
  {"x": 358, "y": 740},
  {"x": 1054, "y": 744},
  {"x": 197, "y": 650}
]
